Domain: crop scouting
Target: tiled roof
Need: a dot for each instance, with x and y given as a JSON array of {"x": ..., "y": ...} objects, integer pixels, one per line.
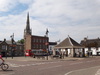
[
  {"x": 8, "y": 42},
  {"x": 68, "y": 43}
]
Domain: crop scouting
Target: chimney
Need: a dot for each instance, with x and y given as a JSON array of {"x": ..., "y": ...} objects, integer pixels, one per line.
[
  {"x": 85, "y": 39},
  {"x": 4, "y": 40}
]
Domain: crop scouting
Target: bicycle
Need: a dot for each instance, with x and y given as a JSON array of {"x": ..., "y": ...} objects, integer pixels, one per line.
[{"x": 4, "y": 66}]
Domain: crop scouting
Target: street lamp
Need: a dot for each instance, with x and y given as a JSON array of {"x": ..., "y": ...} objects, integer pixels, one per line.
[
  {"x": 47, "y": 43},
  {"x": 12, "y": 42},
  {"x": 47, "y": 49},
  {"x": 6, "y": 51},
  {"x": 5, "y": 47}
]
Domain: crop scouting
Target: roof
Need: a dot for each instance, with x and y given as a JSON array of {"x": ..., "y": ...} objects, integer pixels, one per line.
[
  {"x": 39, "y": 36},
  {"x": 19, "y": 43},
  {"x": 52, "y": 43},
  {"x": 68, "y": 43},
  {"x": 0, "y": 42},
  {"x": 8, "y": 42},
  {"x": 91, "y": 42}
]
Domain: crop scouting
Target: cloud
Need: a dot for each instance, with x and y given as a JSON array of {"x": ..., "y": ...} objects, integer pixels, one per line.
[
  {"x": 25, "y": 1},
  {"x": 6, "y": 5},
  {"x": 12, "y": 24},
  {"x": 77, "y": 18},
  {"x": 68, "y": 16}
]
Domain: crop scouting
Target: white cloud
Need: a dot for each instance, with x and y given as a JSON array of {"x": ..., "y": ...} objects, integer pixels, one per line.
[
  {"x": 74, "y": 9},
  {"x": 12, "y": 24},
  {"x": 78, "y": 18},
  {"x": 6, "y": 5},
  {"x": 25, "y": 1},
  {"x": 38, "y": 28},
  {"x": 69, "y": 17}
]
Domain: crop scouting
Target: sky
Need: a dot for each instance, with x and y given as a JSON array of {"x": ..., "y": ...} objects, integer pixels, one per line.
[{"x": 76, "y": 18}]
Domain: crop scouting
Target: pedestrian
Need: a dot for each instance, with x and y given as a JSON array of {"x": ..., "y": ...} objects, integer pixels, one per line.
[
  {"x": 87, "y": 53},
  {"x": 1, "y": 61},
  {"x": 78, "y": 53},
  {"x": 60, "y": 55}
]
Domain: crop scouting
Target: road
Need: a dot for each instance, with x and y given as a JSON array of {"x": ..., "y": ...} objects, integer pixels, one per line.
[{"x": 29, "y": 66}]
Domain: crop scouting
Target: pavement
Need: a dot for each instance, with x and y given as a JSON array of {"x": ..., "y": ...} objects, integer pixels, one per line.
[
  {"x": 17, "y": 62},
  {"x": 40, "y": 59}
]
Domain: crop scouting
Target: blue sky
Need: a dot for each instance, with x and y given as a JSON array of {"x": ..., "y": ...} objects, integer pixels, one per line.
[{"x": 76, "y": 18}]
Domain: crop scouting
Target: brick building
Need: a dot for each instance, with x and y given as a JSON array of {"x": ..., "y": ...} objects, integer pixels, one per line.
[
  {"x": 6, "y": 48},
  {"x": 34, "y": 42}
]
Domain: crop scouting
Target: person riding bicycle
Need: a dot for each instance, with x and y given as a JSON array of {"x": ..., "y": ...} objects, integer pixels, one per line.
[
  {"x": 1, "y": 59},
  {"x": 3, "y": 65}
]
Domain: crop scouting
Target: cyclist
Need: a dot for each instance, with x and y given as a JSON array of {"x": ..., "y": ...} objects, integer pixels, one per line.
[{"x": 1, "y": 59}]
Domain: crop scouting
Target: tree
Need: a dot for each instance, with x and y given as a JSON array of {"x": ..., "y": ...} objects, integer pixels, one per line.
[{"x": 21, "y": 41}]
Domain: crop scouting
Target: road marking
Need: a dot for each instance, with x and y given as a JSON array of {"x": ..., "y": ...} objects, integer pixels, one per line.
[
  {"x": 76, "y": 63},
  {"x": 8, "y": 73},
  {"x": 17, "y": 65},
  {"x": 82, "y": 70},
  {"x": 98, "y": 72},
  {"x": 91, "y": 61},
  {"x": 50, "y": 67},
  {"x": 14, "y": 65}
]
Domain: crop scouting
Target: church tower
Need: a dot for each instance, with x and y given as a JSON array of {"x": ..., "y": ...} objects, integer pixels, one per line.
[
  {"x": 27, "y": 30},
  {"x": 33, "y": 42},
  {"x": 27, "y": 34}
]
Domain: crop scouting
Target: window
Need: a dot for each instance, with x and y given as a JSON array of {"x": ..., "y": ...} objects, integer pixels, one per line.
[
  {"x": 40, "y": 46},
  {"x": 40, "y": 40},
  {"x": 43, "y": 41},
  {"x": 20, "y": 47},
  {"x": 50, "y": 48},
  {"x": 33, "y": 40},
  {"x": 33, "y": 46},
  {"x": 4, "y": 46},
  {"x": 44, "y": 46},
  {"x": 36, "y": 40},
  {"x": 9, "y": 48},
  {"x": 36, "y": 45}
]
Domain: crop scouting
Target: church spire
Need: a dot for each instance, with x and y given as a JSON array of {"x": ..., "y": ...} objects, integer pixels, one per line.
[
  {"x": 28, "y": 30},
  {"x": 28, "y": 22}
]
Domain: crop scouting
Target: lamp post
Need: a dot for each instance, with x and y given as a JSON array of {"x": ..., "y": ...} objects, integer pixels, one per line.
[
  {"x": 5, "y": 47},
  {"x": 47, "y": 49},
  {"x": 47, "y": 43},
  {"x": 6, "y": 51},
  {"x": 12, "y": 42}
]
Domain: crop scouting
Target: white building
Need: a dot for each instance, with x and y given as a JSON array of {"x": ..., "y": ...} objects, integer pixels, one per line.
[
  {"x": 70, "y": 47},
  {"x": 91, "y": 45},
  {"x": 51, "y": 47}
]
